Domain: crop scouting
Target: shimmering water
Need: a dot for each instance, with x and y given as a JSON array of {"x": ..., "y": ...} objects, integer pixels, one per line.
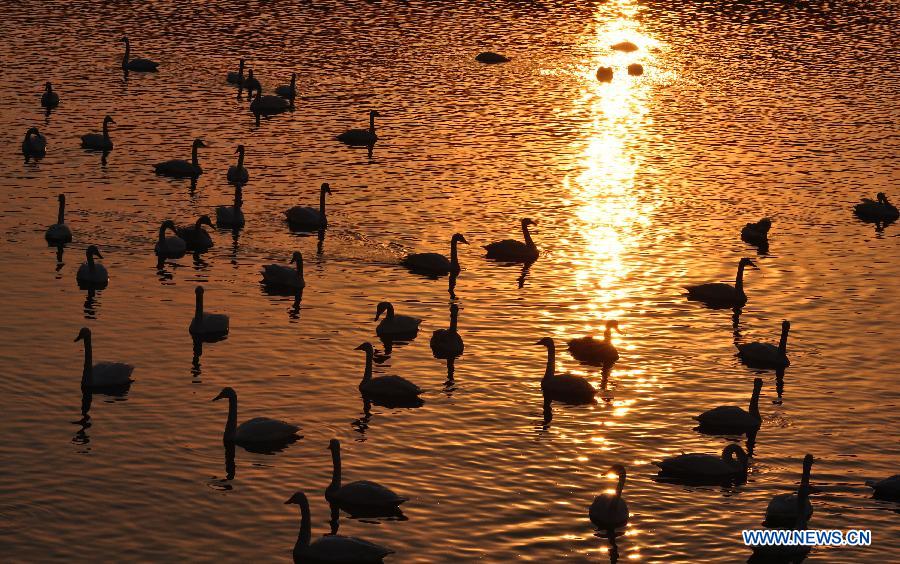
[{"x": 639, "y": 186}]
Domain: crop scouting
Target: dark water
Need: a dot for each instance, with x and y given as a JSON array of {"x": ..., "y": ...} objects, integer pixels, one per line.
[{"x": 639, "y": 186}]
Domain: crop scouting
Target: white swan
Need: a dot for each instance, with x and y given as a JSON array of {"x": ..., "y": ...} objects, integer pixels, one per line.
[
  {"x": 436, "y": 263},
  {"x": 137, "y": 65},
  {"x": 237, "y": 174},
  {"x": 730, "y": 418},
  {"x": 49, "y": 99},
  {"x": 491, "y": 58},
  {"x": 288, "y": 91},
  {"x": 567, "y": 388},
  {"x": 35, "y": 143},
  {"x": 510, "y": 250},
  {"x": 268, "y": 105},
  {"x": 236, "y": 77},
  {"x": 259, "y": 430},
  {"x": 103, "y": 375},
  {"x": 59, "y": 232},
  {"x": 390, "y": 388},
  {"x": 720, "y": 295},
  {"x": 232, "y": 217},
  {"x": 888, "y": 489},
  {"x": 879, "y": 209},
  {"x": 99, "y": 141},
  {"x": 394, "y": 325},
  {"x": 363, "y": 497},
  {"x": 446, "y": 343},
  {"x": 91, "y": 273},
  {"x": 179, "y": 168},
  {"x": 308, "y": 217},
  {"x": 757, "y": 233},
  {"x": 597, "y": 353},
  {"x": 706, "y": 468},
  {"x": 766, "y": 355},
  {"x": 169, "y": 247},
  {"x": 361, "y": 137},
  {"x": 782, "y": 511},
  {"x": 331, "y": 549},
  {"x": 194, "y": 236},
  {"x": 207, "y": 324},
  {"x": 611, "y": 511},
  {"x": 285, "y": 276}
]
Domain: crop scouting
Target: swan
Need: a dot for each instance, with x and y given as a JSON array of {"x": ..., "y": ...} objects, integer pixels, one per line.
[
  {"x": 786, "y": 552},
  {"x": 103, "y": 375},
  {"x": 782, "y": 511},
  {"x": 706, "y": 468},
  {"x": 605, "y": 74},
  {"x": 285, "y": 276},
  {"x": 195, "y": 237},
  {"x": 207, "y": 324},
  {"x": 232, "y": 217},
  {"x": 491, "y": 58},
  {"x": 757, "y": 233},
  {"x": 268, "y": 105},
  {"x": 237, "y": 174},
  {"x": 35, "y": 143},
  {"x": 288, "y": 91},
  {"x": 137, "y": 65},
  {"x": 49, "y": 99},
  {"x": 635, "y": 69},
  {"x": 361, "y": 137},
  {"x": 511, "y": 250},
  {"x": 730, "y": 418},
  {"x": 879, "y": 209},
  {"x": 717, "y": 294},
  {"x": 91, "y": 273},
  {"x": 391, "y": 388},
  {"x": 99, "y": 141},
  {"x": 333, "y": 549},
  {"x": 169, "y": 247},
  {"x": 767, "y": 355},
  {"x": 597, "y": 353},
  {"x": 610, "y": 511},
  {"x": 436, "y": 263},
  {"x": 888, "y": 489},
  {"x": 369, "y": 498},
  {"x": 59, "y": 232},
  {"x": 625, "y": 46},
  {"x": 394, "y": 325},
  {"x": 251, "y": 84},
  {"x": 254, "y": 431},
  {"x": 446, "y": 343},
  {"x": 308, "y": 217},
  {"x": 237, "y": 77},
  {"x": 567, "y": 388},
  {"x": 178, "y": 168}
]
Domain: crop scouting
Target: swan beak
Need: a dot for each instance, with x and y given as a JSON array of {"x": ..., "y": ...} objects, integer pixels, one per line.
[
  {"x": 539, "y": 342},
  {"x": 360, "y": 347},
  {"x": 78, "y": 338},
  {"x": 218, "y": 397},
  {"x": 97, "y": 254}
]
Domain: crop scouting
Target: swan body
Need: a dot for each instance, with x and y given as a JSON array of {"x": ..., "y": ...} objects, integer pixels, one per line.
[
  {"x": 491, "y": 58},
  {"x": 137, "y": 65},
  {"x": 788, "y": 553},
  {"x": 888, "y": 489},
  {"x": 757, "y": 233},
  {"x": 389, "y": 388},
  {"x": 178, "y": 168},
  {"x": 169, "y": 247},
  {"x": 285, "y": 276},
  {"x": 369, "y": 497},
  {"x": 207, "y": 324},
  {"x": 610, "y": 511},
  {"x": 879, "y": 209},
  {"x": 194, "y": 236},
  {"x": 720, "y": 295},
  {"x": 90, "y": 273},
  {"x": 268, "y": 105},
  {"x": 231, "y": 217},
  {"x": 59, "y": 232},
  {"x": 35, "y": 143},
  {"x": 331, "y": 549},
  {"x": 510, "y": 250},
  {"x": 251, "y": 84},
  {"x": 594, "y": 352},
  {"x": 767, "y": 355},
  {"x": 635, "y": 69},
  {"x": 236, "y": 77},
  {"x": 308, "y": 217},
  {"x": 782, "y": 511},
  {"x": 436, "y": 263},
  {"x": 605, "y": 74},
  {"x": 49, "y": 99},
  {"x": 288, "y": 91},
  {"x": 259, "y": 430},
  {"x": 567, "y": 388},
  {"x": 625, "y": 46},
  {"x": 394, "y": 325},
  {"x": 99, "y": 141},
  {"x": 361, "y": 137},
  {"x": 103, "y": 375},
  {"x": 237, "y": 174},
  {"x": 706, "y": 468},
  {"x": 446, "y": 343},
  {"x": 730, "y": 418}
]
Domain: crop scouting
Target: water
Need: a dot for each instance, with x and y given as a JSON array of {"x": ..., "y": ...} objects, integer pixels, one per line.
[{"x": 639, "y": 187}]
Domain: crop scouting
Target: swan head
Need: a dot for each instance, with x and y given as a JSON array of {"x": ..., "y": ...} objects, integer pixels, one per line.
[
  {"x": 765, "y": 223},
  {"x": 168, "y": 224},
  {"x": 32, "y": 131},
  {"x": 108, "y": 119},
  {"x": 298, "y": 498},
  {"x": 325, "y": 188},
  {"x": 613, "y": 324},
  {"x": 374, "y": 114},
  {"x": 83, "y": 335},
  {"x": 47, "y": 86},
  {"x": 807, "y": 463},
  {"x": 239, "y": 150},
  {"x": 198, "y": 291},
  {"x": 296, "y": 258},
  {"x": 735, "y": 451},
  {"x": 334, "y": 445},
  {"x": 61, "y": 198},
  {"x": 92, "y": 250},
  {"x": 546, "y": 341},
  {"x": 459, "y": 237},
  {"x": 124, "y": 39},
  {"x": 367, "y": 346},
  {"x": 747, "y": 262},
  {"x": 785, "y": 326},
  {"x": 204, "y": 220},
  {"x": 199, "y": 143},
  {"x": 383, "y": 307},
  {"x": 526, "y": 221},
  {"x": 757, "y": 386},
  {"x": 618, "y": 470},
  {"x": 882, "y": 197},
  {"x": 226, "y": 392}
]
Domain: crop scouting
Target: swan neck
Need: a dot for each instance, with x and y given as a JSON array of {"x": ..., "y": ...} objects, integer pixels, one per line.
[
  {"x": 607, "y": 334},
  {"x": 372, "y": 124},
  {"x": 198, "y": 307},
  {"x": 240, "y": 163},
  {"x": 106, "y": 130},
  {"x": 300, "y": 269},
  {"x": 305, "y": 528},
  {"x": 335, "y": 468},
  {"x": 238, "y": 197},
  {"x": 194, "y": 159},
  {"x": 453, "y": 318},
  {"x": 60, "y": 217},
  {"x": 551, "y": 362},
  {"x": 621, "y": 485},
  {"x": 88, "y": 362},
  {"x": 231, "y": 422},
  {"x": 782, "y": 344},
  {"x": 367, "y": 375},
  {"x": 739, "y": 280},
  {"x": 162, "y": 233},
  {"x": 127, "y": 54},
  {"x": 322, "y": 203},
  {"x": 454, "y": 256},
  {"x": 754, "y": 403},
  {"x": 90, "y": 261},
  {"x": 527, "y": 235}
]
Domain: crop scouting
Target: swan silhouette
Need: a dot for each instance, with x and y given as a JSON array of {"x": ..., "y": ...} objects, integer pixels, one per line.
[
  {"x": 782, "y": 510},
  {"x": 510, "y": 250},
  {"x": 720, "y": 295},
  {"x": 232, "y": 217},
  {"x": 59, "y": 233},
  {"x": 309, "y": 218},
  {"x": 91, "y": 274},
  {"x": 361, "y": 498},
  {"x": 137, "y": 65},
  {"x": 35, "y": 144},
  {"x": 259, "y": 431},
  {"x": 236, "y": 77},
  {"x": 733, "y": 419},
  {"x": 596, "y": 353},
  {"x": 169, "y": 247},
  {"x": 879, "y": 209},
  {"x": 757, "y": 233},
  {"x": 436, "y": 263},
  {"x": 394, "y": 325},
  {"x": 268, "y": 105},
  {"x": 567, "y": 388},
  {"x": 491, "y": 58},
  {"x": 888, "y": 489},
  {"x": 237, "y": 174},
  {"x": 99, "y": 141},
  {"x": 206, "y": 324},
  {"x": 251, "y": 84},
  {"x": 49, "y": 99},
  {"x": 766, "y": 355},
  {"x": 446, "y": 343},
  {"x": 706, "y": 468},
  {"x": 288, "y": 91},
  {"x": 178, "y": 168},
  {"x": 285, "y": 276},
  {"x": 103, "y": 376},
  {"x": 194, "y": 236},
  {"x": 361, "y": 137},
  {"x": 393, "y": 390},
  {"x": 610, "y": 511}
]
